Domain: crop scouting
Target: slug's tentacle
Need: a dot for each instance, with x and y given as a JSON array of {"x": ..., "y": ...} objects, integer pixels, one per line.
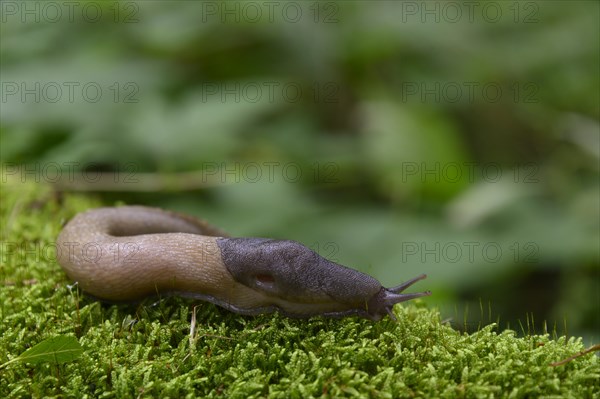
[
  {"x": 127, "y": 253},
  {"x": 388, "y": 297},
  {"x": 399, "y": 288}
]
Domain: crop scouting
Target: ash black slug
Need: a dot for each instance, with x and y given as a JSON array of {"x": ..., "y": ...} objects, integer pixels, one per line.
[{"x": 130, "y": 252}]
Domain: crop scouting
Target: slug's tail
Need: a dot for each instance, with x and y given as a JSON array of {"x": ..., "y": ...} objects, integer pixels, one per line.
[{"x": 385, "y": 300}]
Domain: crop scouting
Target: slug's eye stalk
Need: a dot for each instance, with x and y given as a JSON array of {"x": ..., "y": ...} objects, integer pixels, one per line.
[{"x": 383, "y": 302}]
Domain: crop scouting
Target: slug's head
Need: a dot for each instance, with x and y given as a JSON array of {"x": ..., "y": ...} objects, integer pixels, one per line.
[{"x": 301, "y": 283}]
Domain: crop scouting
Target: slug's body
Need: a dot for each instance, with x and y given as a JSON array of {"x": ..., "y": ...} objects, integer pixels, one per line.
[{"x": 127, "y": 253}]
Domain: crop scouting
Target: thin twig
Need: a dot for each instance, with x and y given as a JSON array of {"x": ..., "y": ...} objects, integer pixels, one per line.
[{"x": 584, "y": 352}]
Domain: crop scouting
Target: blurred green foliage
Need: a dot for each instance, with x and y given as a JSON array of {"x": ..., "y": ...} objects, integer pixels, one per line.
[{"x": 456, "y": 139}]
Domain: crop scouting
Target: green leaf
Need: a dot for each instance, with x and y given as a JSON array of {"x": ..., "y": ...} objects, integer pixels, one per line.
[{"x": 57, "y": 350}]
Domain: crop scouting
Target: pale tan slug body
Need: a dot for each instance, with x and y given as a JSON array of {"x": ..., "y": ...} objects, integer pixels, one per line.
[{"x": 128, "y": 253}]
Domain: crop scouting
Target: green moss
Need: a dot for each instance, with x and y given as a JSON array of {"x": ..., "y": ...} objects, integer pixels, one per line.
[{"x": 145, "y": 350}]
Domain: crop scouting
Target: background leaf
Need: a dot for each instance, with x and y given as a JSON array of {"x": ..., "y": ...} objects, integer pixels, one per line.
[{"x": 57, "y": 350}]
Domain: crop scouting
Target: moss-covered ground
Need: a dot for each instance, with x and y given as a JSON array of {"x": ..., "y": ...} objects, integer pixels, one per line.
[{"x": 148, "y": 350}]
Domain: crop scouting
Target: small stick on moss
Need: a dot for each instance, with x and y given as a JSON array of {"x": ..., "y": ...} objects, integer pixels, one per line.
[
  {"x": 567, "y": 360},
  {"x": 193, "y": 327}
]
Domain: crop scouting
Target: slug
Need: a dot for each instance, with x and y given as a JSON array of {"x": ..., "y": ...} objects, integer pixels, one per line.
[{"x": 130, "y": 252}]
